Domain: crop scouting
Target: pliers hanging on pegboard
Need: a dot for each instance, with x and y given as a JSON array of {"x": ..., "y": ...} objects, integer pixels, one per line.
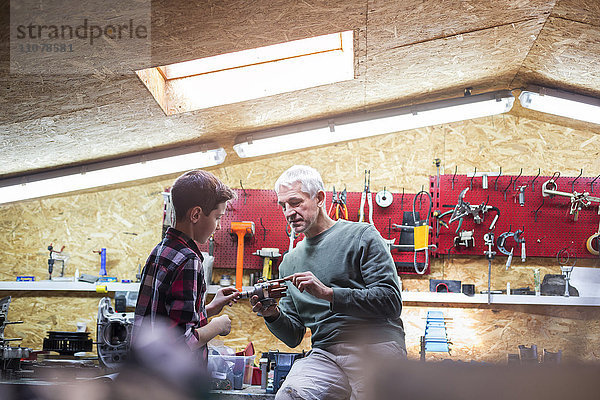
[
  {"x": 366, "y": 195},
  {"x": 338, "y": 208}
]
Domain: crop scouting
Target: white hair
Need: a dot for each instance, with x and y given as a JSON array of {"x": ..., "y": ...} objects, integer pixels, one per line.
[{"x": 309, "y": 178}]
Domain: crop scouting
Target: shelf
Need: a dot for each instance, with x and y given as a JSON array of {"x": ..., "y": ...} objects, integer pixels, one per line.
[
  {"x": 433, "y": 297},
  {"x": 407, "y": 297},
  {"x": 71, "y": 286}
]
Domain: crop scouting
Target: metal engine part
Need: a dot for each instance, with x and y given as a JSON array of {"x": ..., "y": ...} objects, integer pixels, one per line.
[{"x": 113, "y": 334}]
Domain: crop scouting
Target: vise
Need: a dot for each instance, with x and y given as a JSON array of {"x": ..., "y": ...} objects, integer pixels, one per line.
[{"x": 275, "y": 366}]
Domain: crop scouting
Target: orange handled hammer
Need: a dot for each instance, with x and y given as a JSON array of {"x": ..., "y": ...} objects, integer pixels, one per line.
[{"x": 241, "y": 229}]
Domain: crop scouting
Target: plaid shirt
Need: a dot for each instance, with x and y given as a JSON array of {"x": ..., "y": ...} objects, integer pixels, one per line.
[{"x": 173, "y": 286}]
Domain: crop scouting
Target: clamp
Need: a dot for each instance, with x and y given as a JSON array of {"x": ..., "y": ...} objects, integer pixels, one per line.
[{"x": 518, "y": 238}]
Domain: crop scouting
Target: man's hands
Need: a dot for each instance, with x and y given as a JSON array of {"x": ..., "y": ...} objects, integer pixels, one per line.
[
  {"x": 307, "y": 281},
  {"x": 304, "y": 281},
  {"x": 270, "y": 313},
  {"x": 224, "y": 296}
]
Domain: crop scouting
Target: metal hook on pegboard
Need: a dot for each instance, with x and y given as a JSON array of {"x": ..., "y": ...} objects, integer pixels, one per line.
[
  {"x": 246, "y": 195},
  {"x": 575, "y": 180},
  {"x": 592, "y": 184},
  {"x": 402, "y": 200},
  {"x": 535, "y": 213},
  {"x": 473, "y": 177},
  {"x": 264, "y": 230},
  {"x": 516, "y": 179},
  {"x": 506, "y": 188},
  {"x": 533, "y": 181},
  {"x": 454, "y": 176},
  {"x": 496, "y": 181}
]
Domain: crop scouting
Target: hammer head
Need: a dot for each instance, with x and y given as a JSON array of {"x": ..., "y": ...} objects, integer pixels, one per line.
[{"x": 244, "y": 226}]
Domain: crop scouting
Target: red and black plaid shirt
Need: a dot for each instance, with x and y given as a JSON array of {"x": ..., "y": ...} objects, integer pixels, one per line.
[{"x": 173, "y": 287}]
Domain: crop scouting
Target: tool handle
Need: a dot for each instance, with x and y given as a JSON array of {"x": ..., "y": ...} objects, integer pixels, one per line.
[
  {"x": 361, "y": 211},
  {"x": 370, "y": 201},
  {"x": 239, "y": 267},
  {"x": 509, "y": 260},
  {"x": 523, "y": 255}
]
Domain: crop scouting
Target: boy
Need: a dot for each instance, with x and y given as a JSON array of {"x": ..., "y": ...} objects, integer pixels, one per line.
[{"x": 173, "y": 284}]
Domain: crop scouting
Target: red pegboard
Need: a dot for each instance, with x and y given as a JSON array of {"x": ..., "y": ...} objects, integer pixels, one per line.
[
  {"x": 553, "y": 229},
  {"x": 260, "y": 207}
]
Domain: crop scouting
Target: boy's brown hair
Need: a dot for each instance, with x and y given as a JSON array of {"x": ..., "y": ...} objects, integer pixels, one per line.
[{"x": 198, "y": 188}]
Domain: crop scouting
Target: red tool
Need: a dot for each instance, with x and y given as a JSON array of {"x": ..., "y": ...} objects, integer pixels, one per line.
[{"x": 338, "y": 208}]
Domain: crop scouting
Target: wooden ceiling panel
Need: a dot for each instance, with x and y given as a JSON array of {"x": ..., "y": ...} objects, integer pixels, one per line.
[
  {"x": 182, "y": 30},
  {"x": 585, "y": 11},
  {"x": 485, "y": 59},
  {"x": 565, "y": 55},
  {"x": 29, "y": 97},
  {"x": 393, "y": 24}
]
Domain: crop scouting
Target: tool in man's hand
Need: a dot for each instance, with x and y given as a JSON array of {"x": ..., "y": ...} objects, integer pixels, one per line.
[
  {"x": 338, "y": 208},
  {"x": 241, "y": 229},
  {"x": 267, "y": 292},
  {"x": 366, "y": 195}
]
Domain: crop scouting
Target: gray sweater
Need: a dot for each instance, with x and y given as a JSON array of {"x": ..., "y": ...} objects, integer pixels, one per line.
[{"x": 353, "y": 259}]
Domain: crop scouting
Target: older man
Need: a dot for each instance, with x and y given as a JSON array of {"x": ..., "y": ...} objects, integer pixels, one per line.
[{"x": 345, "y": 290}]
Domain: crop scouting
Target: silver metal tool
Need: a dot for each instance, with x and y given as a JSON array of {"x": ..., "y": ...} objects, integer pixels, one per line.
[
  {"x": 267, "y": 292},
  {"x": 578, "y": 200},
  {"x": 522, "y": 195},
  {"x": 519, "y": 238},
  {"x": 488, "y": 239},
  {"x": 464, "y": 208}
]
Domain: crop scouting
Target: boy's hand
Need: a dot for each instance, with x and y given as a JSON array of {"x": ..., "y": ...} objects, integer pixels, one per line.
[
  {"x": 223, "y": 324},
  {"x": 224, "y": 296}
]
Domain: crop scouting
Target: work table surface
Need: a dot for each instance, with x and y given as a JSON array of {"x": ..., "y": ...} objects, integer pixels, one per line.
[{"x": 254, "y": 392}]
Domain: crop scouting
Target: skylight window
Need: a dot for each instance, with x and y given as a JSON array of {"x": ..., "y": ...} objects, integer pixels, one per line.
[{"x": 251, "y": 74}]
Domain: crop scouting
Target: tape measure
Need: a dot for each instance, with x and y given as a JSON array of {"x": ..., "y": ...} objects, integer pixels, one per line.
[
  {"x": 101, "y": 289},
  {"x": 384, "y": 198},
  {"x": 589, "y": 244}
]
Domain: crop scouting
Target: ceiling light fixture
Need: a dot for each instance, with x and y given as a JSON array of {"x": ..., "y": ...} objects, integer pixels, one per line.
[
  {"x": 355, "y": 126},
  {"x": 103, "y": 173},
  {"x": 561, "y": 103}
]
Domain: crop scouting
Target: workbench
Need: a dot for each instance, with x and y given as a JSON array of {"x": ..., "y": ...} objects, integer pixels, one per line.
[{"x": 254, "y": 392}]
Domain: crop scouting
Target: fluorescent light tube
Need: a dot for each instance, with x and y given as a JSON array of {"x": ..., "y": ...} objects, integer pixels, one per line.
[
  {"x": 109, "y": 172},
  {"x": 355, "y": 126},
  {"x": 561, "y": 103}
]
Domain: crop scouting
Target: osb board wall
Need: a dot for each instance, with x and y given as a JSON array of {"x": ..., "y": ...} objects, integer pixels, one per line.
[
  {"x": 127, "y": 222},
  {"x": 50, "y": 311}
]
